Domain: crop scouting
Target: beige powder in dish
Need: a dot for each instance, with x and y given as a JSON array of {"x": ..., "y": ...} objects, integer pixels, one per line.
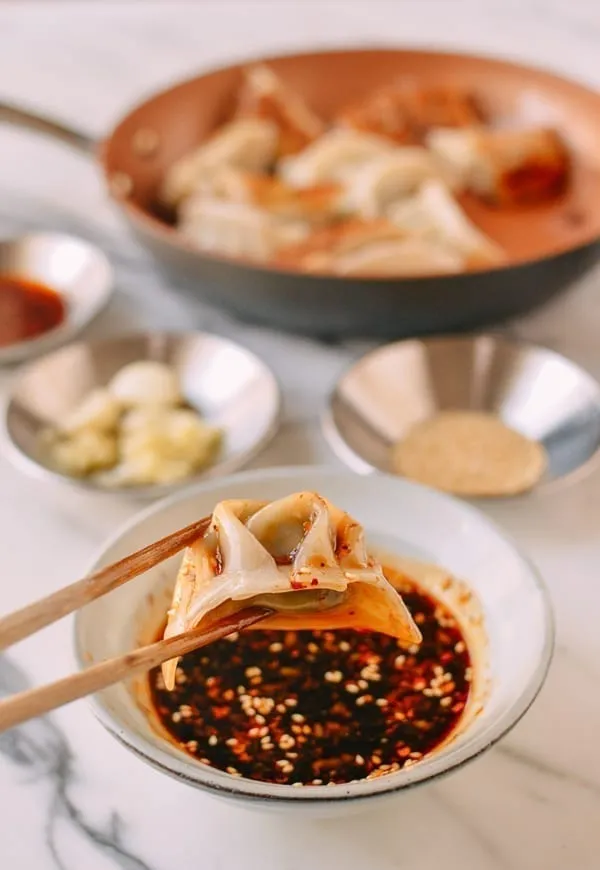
[{"x": 469, "y": 453}]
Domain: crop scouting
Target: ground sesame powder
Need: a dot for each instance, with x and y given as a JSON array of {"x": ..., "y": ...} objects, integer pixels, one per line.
[{"x": 319, "y": 707}]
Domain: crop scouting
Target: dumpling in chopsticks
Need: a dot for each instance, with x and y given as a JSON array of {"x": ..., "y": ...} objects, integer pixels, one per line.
[
  {"x": 265, "y": 95},
  {"x": 505, "y": 166},
  {"x": 433, "y": 214},
  {"x": 375, "y": 186},
  {"x": 249, "y": 143},
  {"x": 300, "y": 556},
  {"x": 332, "y": 157},
  {"x": 235, "y": 229}
]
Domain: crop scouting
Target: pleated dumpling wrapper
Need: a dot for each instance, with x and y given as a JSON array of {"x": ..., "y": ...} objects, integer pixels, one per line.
[{"x": 300, "y": 556}]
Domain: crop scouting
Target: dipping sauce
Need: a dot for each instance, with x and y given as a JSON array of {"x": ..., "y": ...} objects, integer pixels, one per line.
[
  {"x": 319, "y": 707},
  {"x": 27, "y": 309}
]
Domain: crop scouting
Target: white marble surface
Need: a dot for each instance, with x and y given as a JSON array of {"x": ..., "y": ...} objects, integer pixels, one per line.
[{"x": 70, "y": 796}]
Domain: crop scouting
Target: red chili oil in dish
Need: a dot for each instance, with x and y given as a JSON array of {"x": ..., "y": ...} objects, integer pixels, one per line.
[
  {"x": 27, "y": 309},
  {"x": 319, "y": 707}
]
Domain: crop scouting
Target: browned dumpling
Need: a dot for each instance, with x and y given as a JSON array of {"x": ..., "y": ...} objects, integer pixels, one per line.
[
  {"x": 505, "y": 166},
  {"x": 404, "y": 111},
  {"x": 264, "y": 95}
]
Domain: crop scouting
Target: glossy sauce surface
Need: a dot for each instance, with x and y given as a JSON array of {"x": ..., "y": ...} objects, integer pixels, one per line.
[
  {"x": 27, "y": 309},
  {"x": 319, "y": 707}
]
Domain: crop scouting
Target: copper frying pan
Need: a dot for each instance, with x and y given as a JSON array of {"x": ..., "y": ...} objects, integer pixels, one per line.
[{"x": 548, "y": 246}]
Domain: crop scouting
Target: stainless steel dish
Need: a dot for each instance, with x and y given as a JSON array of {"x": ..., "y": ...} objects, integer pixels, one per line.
[
  {"x": 74, "y": 268},
  {"x": 534, "y": 390},
  {"x": 227, "y": 384}
]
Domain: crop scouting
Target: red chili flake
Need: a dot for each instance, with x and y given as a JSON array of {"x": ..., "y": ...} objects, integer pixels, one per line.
[{"x": 334, "y": 730}]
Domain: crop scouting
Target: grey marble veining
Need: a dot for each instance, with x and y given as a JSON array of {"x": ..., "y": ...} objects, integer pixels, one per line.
[{"x": 71, "y": 796}]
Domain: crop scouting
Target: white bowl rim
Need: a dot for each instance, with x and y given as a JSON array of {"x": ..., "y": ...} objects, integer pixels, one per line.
[{"x": 251, "y": 791}]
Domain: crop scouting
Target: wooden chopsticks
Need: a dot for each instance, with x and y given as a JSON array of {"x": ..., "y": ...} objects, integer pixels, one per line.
[
  {"x": 32, "y": 618},
  {"x": 35, "y": 702},
  {"x": 20, "y": 624}
]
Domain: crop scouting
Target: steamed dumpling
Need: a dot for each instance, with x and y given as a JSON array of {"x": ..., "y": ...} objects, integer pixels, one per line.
[
  {"x": 237, "y": 230},
  {"x": 332, "y": 157},
  {"x": 378, "y": 184},
  {"x": 248, "y": 143},
  {"x": 433, "y": 214},
  {"x": 299, "y": 555}
]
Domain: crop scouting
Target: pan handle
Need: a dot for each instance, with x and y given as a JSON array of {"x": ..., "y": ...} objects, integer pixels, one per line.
[{"x": 19, "y": 117}]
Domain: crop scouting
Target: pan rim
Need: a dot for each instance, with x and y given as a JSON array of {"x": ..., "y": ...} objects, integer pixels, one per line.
[{"x": 168, "y": 236}]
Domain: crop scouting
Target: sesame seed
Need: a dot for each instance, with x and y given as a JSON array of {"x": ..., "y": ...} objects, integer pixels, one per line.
[
  {"x": 297, "y": 784},
  {"x": 245, "y": 726},
  {"x": 234, "y": 636}
]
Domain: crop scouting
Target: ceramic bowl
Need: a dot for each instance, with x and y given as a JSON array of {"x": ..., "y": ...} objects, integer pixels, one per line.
[
  {"x": 514, "y": 641},
  {"x": 230, "y": 387}
]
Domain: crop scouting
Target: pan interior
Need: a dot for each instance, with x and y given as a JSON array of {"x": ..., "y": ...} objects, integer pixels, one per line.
[{"x": 179, "y": 119}]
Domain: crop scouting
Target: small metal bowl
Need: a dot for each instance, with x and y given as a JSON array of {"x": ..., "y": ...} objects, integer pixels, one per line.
[
  {"x": 74, "y": 268},
  {"x": 229, "y": 386},
  {"x": 533, "y": 390}
]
